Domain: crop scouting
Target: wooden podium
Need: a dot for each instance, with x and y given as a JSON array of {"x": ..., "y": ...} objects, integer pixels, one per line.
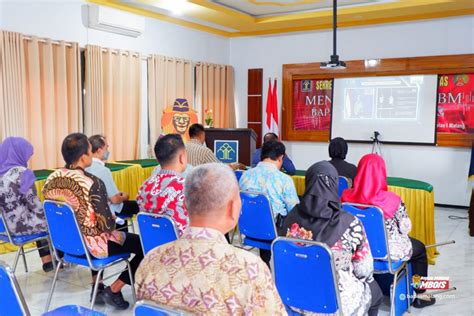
[{"x": 246, "y": 137}]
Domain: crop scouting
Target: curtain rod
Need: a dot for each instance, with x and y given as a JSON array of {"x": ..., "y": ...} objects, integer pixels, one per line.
[{"x": 42, "y": 40}]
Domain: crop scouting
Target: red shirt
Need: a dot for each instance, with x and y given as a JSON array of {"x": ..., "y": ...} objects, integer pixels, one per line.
[{"x": 163, "y": 194}]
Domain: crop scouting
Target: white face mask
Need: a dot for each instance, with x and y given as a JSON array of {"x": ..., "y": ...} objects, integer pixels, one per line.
[{"x": 106, "y": 155}]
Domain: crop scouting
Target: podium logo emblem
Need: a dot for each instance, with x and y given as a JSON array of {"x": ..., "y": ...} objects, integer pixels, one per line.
[
  {"x": 227, "y": 151},
  {"x": 306, "y": 85}
]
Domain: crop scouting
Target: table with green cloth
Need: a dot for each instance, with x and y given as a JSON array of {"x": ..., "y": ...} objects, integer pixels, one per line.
[
  {"x": 147, "y": 165},
  {"x": 418, "y": 197}
]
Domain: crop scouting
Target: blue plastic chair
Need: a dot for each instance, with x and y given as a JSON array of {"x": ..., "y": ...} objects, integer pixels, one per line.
[
  {"x": 344, "y": 184},
  {"x": 15, "y": 302},
  {"x": 155, "y": 230},
  {"x": 238, "y": 174},
  {"x": 256, "y": 221},
  {"x": 129, "y": 221},
  {"x": 374, "y": 225},
  {"x": 301, "y": 267},
  {"x": 21, "y": 241},
  {"x": 147, "y": 308},
  {"x": 67, "y": 237}
]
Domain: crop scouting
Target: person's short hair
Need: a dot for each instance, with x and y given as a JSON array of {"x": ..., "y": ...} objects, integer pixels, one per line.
[
  {"x": 272, "y": 150},
  {"x": 167, "y": 148},
  {"x": 97, "y": 142},
  {"x": 270, "y": 137},
  {"x": 74, "y": 146},
  {"x": 196, "y": 130},
  {"x": 208, "y": 188}
]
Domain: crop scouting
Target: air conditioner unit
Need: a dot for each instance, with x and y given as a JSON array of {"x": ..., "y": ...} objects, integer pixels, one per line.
[{"x": 115, "y": 21}]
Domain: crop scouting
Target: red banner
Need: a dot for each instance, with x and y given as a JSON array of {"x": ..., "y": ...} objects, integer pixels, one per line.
[
  {"x": 312, "y": 101},
  {"x": 456, "y": 104}
]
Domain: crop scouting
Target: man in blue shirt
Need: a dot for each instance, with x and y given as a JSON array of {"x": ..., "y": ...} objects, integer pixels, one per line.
[{"x": 287, "y": 166}]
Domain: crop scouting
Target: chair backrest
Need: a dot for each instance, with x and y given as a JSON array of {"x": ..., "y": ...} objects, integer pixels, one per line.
[
  {"x": 256, "y": 216},
  {"x": 147, "y": 308},
  {"x": 238, "y": 174},
  {"x": 3, "y": 228},
  {"x": 64, "y": 230},
  {"x": 374, "y": 225},
  {"x": 302, "y": 268},
  {"x": 155, "y": 230},
  {"x": 344, "y": 184},
  {"x": 13, "y": 302}
]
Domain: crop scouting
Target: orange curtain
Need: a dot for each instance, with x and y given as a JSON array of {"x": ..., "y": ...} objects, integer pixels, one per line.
[
  {"x": 40, "y": 94},
  {"x": 12, "y": 85},
  {"x": 112, "y": 102},
  {"x": 54, "y": 100},
  {"x": 215, "y": 91},
  {"x": 168, "y": 79}
]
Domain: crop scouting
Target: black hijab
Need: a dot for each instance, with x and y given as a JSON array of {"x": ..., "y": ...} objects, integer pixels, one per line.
[
  {"x": 338, "y": 148},
  {"x": 319, "y": 210}
]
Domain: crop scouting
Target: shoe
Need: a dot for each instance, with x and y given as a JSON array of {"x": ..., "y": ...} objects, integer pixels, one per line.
[
  {"x": 115, "y": 299},
  {"x": 419, "y": 303},
  {"x": 48, "y": 266},
  {"x": 99, "y": 298}
]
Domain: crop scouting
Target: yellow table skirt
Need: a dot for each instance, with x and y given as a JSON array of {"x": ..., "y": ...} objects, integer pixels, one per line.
[
  {"x": 420, "y": 209},
  {"x": 129, "y": 180}
]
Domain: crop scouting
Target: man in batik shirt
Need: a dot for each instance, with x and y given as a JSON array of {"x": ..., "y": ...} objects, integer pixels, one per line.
[
  {"x": 87, "y": 196},
  {"x": 200, "y": 272},
  {"x": 162, "y": 193}
]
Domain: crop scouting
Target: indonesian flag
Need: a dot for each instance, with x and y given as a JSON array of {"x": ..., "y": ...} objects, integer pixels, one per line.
[{"x": 272, "y": 108}]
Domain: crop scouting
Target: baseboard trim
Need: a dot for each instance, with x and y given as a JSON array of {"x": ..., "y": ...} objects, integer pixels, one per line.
[{"x": 461, "y": 207}]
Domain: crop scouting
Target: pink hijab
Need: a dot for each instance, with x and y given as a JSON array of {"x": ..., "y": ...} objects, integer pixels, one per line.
[{"x": 370, "y": 186}]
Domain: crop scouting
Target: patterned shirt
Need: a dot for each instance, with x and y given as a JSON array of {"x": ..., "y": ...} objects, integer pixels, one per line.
[
  {"x": 23, "y": 213},
  {"x": 87, "y": 196},
  {"x": 354, "y": 267},
  {"x": 163, "y": 194},
  {"x": 398, "y": 228},
  {"x": 279, "y": 187},
  {"x": 203, "y": 274},
  {"x": 199, "y": 154}
]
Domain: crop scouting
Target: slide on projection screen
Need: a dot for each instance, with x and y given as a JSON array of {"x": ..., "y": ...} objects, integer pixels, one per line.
[{"x": 400, "y": 108}]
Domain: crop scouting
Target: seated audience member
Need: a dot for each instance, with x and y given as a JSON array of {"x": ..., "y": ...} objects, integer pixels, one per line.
[
  {"x": 118, "y": 201},
  {"x": 22, "y": 210},
  {"x": 198, "y": 153},
  {"x": 163, "y": 193},
  {"x": 319, "y": 217},
  {"x": 267, "y": 178},
  {"x": 200, "y": 272},
  {"x": 338, "y": 152},
  {"x": 370, "y": 187},
  {"x": 287, "y": 167},
  {"x": 186, "y": 171},
  {"x": 87, "y": 196}
]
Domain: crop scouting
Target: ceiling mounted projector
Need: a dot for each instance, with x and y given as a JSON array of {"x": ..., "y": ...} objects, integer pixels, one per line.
[{"x": 335, "y": 63}]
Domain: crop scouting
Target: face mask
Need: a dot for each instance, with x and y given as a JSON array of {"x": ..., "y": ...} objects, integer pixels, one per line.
[{"x": 106, "y": 155}]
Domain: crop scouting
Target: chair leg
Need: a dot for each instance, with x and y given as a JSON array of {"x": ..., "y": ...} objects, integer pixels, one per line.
[
  {"x": 393, "y": 293},
  {"x": 24, "y": 258},
  {"x": 51, "y": 252},
  {"x": 407, "y": 277},
  {"x": 96, "y": 286},
  {"x": 17, "y": 256},
  {"x": 131, "y": 282},
  {"x": 50, "y": 296}
]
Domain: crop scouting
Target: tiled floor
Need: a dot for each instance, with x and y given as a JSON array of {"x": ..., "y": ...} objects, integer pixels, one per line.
[{"x": 455, "y": 261}]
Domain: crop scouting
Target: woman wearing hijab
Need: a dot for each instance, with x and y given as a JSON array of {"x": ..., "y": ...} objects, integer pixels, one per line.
[
  {"x": 370, "y": 187},
  {"x": 338, "y": 152},
  {"x": 319, "y": 217},
  {"x": 22, "y": 210}
]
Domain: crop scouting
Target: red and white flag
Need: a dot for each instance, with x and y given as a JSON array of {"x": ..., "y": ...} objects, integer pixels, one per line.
[{"x": 272, "y": 108}]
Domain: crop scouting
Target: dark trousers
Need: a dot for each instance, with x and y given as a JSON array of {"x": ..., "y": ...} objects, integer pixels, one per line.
[
  {"x": 377, "y": 298},
  {"x": 131, "y": 245},
  {"x": 266, "y": 256},
  {"x": 129, "y": 209},
  {"x": 418, "y": 260},
  {"x": 43, "y": 248}
]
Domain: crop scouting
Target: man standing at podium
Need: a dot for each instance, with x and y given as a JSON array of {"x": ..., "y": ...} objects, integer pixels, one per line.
[{"x": 198, "y": 153}]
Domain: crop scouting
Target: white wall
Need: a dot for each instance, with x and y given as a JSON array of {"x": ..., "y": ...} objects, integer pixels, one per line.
[
  {"x": 445, "y": 168},
  {"x": 62, "y": 20}
]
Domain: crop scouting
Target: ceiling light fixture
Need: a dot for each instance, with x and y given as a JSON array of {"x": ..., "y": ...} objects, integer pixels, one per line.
[
  {"x": 176, "y": 6},
  {"x": 335, "y": 63}
]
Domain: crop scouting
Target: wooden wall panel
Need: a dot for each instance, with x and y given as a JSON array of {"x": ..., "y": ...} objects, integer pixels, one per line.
[
  {"x": 254, "y": 102},
  {"x": 450, "y": 64}
]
